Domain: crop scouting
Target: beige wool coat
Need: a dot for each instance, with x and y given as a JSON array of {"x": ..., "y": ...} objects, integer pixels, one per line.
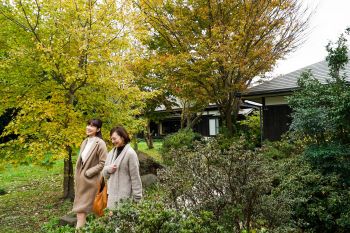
[
  {"x": 125, "y": 182},
  {"x": 87, "y": 175}
]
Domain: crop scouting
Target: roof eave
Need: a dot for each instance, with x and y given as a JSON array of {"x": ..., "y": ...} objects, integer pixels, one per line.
[{"x": 269, "y": 92}]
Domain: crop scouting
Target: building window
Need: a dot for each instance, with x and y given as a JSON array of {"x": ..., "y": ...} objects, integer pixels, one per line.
[{"x": 213, "y": 126}]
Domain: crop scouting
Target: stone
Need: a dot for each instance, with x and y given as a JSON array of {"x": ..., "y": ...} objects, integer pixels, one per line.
[
  {"x": 147, "y": 164},
  {"x": 148, "y": 180}
]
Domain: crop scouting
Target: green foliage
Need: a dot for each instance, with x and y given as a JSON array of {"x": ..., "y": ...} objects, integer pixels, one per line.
[
  {"x": 182, "y": 138},
  {"x": 148, "y": 217},
  {"x": 250, "y": 128},
  {"x": 231, "y": 183},
  {"x": 318, "y": 183},
  {"x": 330, "y": 158},
  {"x": 284, "y": 148},
  {"x": 318, "y": 203},
  {"x": 337, "y": 56},
  {"x": 225, "y": 141},
  {"x": 52, "y": 227},
  {"x": 321, "y": 112}
]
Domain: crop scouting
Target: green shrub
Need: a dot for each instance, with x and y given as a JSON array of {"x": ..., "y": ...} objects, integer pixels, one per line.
[
  {"x": 318, "y": 183},
  {"x": 330, "y": 158},
  {"x": 152, "y": 214},
  {"x": 250, "y": 129},
  {"x": 318, "y": 203},
  {"x": 285, "y": 148},
  {"x": 151, "y": 217},
  {"x": 231, "y": 183},
  {"x": 322, "y": 111},
  {"x": 180, "y": 139}
]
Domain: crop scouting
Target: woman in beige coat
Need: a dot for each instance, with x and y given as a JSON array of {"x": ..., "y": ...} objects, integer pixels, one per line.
[
  {"x": 122, "y": 169},
  {"x": 91, "y": 160}
]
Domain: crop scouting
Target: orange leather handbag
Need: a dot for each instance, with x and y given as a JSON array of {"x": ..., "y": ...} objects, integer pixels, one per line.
[{"x": 100, "y": 202}]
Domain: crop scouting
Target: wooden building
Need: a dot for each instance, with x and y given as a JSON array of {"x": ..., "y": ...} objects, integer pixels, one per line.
[
  {"x": 273, "y": 95},
  {"x": 208, "y": 125}
]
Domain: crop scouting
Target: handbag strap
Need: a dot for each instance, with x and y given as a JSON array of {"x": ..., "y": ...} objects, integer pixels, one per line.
[{"x": 101, "y": 184}]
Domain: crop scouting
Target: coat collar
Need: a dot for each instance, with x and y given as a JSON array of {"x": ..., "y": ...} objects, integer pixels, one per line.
[
  {"x": 92, "y": 148},
  {"x": 121, "y": 156}
]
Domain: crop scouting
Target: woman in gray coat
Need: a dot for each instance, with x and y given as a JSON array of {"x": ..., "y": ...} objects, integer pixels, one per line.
[
  {"x": 122, "y": 169},
  {"x": 91, "y": 160}
]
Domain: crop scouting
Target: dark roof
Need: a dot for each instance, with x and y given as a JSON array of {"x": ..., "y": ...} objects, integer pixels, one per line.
[{"x": 288, "y": 82}]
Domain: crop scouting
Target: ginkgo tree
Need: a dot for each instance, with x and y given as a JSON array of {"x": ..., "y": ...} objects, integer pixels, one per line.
[
  {"x": 61, "y": 63},
  {"x": 220, "y": 46}
]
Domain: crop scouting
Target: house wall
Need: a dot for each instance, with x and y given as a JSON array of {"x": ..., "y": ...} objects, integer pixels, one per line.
[
  {"x": 202, "y": 126},
  {"x": 170, "y": 126},
  {"x": 269, "y": 100},
  {"x": 276, "y": 115},
  {"x": 276, "y": 121},
  {"x": 276, "y": 100},
  {"x": 208, "y": 124}
]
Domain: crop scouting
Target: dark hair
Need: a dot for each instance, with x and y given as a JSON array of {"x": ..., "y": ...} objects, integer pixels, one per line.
[
  {"x": 98, "y": 124},
  {"x": 121, "y": 132}
]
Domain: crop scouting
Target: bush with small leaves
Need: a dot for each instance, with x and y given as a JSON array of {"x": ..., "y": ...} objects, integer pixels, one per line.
[
  {"x": 318, "y": 203},
  {"x": 182, "y": 138},
  {"x": 151, "y": 217},
  {"x": 231, "y": 183}
]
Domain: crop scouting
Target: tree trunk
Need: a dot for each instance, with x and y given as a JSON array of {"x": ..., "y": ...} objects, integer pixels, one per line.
[
  {"x": 68, "y": 176},
  {"x": 68, "y": 179},
  {"x": 183, "y": 118},
  {"x": 188, "y": 121},
  {"x": 228, "y": 122},
  {"x": 226, "y": 116},
  {"x": 194, "y": 121},
  {"x": 229, "y": 113},
  {"x": 148, "y": 136},
  {"x": 184, "y": 114}
]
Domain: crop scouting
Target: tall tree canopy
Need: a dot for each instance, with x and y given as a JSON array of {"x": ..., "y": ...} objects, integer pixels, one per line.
[
  {"x": 216, "y": 48},
  {"x": 62, "y": 62}
]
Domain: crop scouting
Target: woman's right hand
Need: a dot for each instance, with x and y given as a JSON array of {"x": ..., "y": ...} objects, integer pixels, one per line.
[{"x": 112, "y": 168}]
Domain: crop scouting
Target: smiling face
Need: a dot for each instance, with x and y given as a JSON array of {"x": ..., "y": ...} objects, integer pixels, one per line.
[
  {"x": 117, "y": 140},
  {"x": 91, "y": 130}
]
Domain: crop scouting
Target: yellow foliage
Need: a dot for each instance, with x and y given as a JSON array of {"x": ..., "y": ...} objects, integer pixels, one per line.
[{"x": 64, "y": 64}]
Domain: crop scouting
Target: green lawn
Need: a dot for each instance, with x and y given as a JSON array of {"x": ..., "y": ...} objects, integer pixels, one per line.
[
  {"x": 34, "y": 194},
  {"x": 155, "y": 152},
  {"x": 33, "y": 197}
]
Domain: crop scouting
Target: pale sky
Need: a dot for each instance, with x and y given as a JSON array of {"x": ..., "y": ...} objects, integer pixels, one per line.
[{"x": 329, "y": 20}]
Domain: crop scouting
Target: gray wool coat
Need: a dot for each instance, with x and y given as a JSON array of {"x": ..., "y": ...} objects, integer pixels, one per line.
[
  {"x": 88, "y": 175},
  {"x": 126, "y": 181}
]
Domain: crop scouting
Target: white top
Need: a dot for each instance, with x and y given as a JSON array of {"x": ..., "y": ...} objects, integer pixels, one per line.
[{"x": 85, "y": 153}]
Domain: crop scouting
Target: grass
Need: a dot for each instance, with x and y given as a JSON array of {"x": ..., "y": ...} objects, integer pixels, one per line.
[
  {"x": 155, "y": 152},
  {"x": 33, "y": 197}
]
